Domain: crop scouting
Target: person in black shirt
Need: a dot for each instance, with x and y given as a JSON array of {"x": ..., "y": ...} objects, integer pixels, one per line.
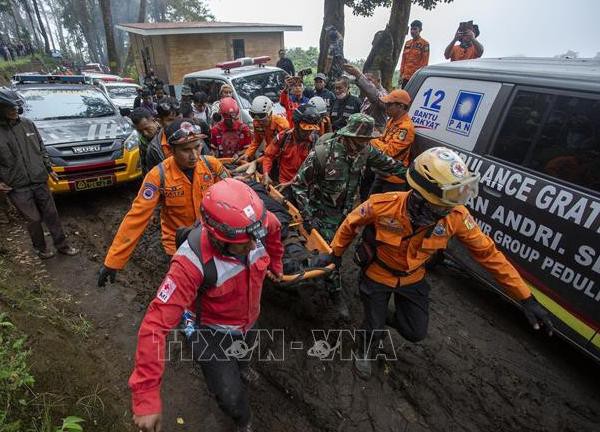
[
  {"x": 285, "y": 63},
  {"x": 345, "y": 104}
]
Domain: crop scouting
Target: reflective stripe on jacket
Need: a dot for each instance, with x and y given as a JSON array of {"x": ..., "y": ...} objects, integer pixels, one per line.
[
  {"x": 402, "y": 248},
  {"x": 233, "y": 302}
]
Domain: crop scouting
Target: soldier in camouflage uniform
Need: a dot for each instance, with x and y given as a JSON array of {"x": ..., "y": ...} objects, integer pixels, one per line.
[{"x": 326, "y": 184}]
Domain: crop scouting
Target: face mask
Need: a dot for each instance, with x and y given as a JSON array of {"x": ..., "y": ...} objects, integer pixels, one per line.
[{"x": 421, "y": 213}]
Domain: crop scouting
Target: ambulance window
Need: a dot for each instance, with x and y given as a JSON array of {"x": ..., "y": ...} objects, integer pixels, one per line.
[
  {"x": 209, "y": 86},
  {"x": 568, "y": 147},
  {"x": 521, "y": 126}
]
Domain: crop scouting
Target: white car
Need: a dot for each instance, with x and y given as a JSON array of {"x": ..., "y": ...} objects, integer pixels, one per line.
[
  {"x": 122, "y": 94},
  {"x": 249, "y": 78}
]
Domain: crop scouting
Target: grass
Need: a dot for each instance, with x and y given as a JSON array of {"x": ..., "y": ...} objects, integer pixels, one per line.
[
  {"x": 24, "y": 64},
  {"x": 21, "y": 408}
]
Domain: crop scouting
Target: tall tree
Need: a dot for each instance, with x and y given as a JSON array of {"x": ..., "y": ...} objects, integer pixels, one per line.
[
  {"x": 42, "y": 27},
  {"x": 141, "y": 19},
  {"x": 391, "y": 39},
  {"x": 33, "y": 29},
  {"x": 387, "y": 44},
  {"x": 111, "y": 49},
  {"x": 333, "y": 16},
  {"x": 45, "y": 16},
  {"x": 56, "y": 14}
]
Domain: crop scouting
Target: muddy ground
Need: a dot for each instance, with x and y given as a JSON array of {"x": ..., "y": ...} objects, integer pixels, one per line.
[{"x": 480, "y": 369}]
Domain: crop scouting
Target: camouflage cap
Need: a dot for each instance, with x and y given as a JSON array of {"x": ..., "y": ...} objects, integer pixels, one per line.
[{"x": 360, "y": 126}]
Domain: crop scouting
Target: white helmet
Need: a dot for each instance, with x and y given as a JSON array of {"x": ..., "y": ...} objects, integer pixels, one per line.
[
  {"x": 261, "y": 105},
  {"x": 319, "y": 103}
]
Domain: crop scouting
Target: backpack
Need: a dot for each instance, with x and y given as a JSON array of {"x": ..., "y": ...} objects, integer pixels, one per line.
[
  {"x": 321, "y": 154},
  {"x": 193, "y": 234}
]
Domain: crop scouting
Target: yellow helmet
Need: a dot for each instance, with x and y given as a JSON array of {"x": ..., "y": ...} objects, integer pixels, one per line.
[{"x": 442, "y": 178}]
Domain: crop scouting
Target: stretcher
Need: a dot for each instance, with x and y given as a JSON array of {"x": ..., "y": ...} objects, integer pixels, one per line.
[{"x": 314, "y": 241}]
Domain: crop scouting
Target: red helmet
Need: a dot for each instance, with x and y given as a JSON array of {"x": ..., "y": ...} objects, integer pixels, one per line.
[
  {"x": 229, "y": 108},
  {"x": 233, "y": 213}
]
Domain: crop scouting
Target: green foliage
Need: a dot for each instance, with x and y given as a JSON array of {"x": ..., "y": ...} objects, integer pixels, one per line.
[
  {"x": 366, "y": 8},
  {"x": 304, "y": 58},
  {"x": 179, "y": 10},
  {"x": 15, "y": 377},
  {"x": 70, "y": 424}
]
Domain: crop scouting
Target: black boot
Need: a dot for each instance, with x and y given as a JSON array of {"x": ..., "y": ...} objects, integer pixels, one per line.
[
  {"x": 340, "y": 306},
  {"x": 363, "y": 365}
]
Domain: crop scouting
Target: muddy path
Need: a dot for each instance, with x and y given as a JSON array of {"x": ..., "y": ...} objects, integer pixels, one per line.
[{"x": 480, "y": 368}]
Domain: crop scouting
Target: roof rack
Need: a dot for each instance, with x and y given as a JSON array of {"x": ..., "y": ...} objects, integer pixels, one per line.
[
  {"x": 244, "y": 61},
  {"x": 51, "y": 79}
]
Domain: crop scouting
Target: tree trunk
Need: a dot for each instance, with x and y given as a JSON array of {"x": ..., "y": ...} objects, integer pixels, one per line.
[
  {"x": 388, "y": 43},
  {"x": 42, "y": 27},
  {"x": 333, "y": 15},
  {"x": 59, "y": 28},
  {"x": 111, "y": 48},
  {"x": 141, "y": 19},
  {"x": 33, "y": 30},
  {"x": 19, "y": 23},
  {"x": 49, "y": 29}
]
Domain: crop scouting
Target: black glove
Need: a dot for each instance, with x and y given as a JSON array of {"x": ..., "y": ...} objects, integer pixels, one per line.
[
  {"x": 311, "y": 222},
  {"x": 537, "y": 315},
  {"x": 105, "y": 274},
  {"x": 337, "y": 260}
]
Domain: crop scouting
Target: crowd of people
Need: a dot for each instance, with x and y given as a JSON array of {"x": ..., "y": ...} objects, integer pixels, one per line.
[
  {"x": 344, "y": 162},
  {"x": 10, "y": 51}
]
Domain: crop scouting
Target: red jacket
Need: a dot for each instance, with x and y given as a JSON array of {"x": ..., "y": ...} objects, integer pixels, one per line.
[
  {"x": 290, "y": 103},
  {"x": 291, "y": 154},
  {"x": 227, "y": 142},
  {"x": 233, "y": 302}
]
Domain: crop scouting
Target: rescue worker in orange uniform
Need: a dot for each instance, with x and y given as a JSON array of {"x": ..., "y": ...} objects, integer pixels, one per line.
[
  {"x": 396, "y": 140},
  {"x": 291, "y": 147},
  {"x": 407, "y": 228},
  {"x": 468, "y": 47},
  {"x": 415, "y": 54},
  {"x": 266, "y": 126},
  {"x": 178, "y": 185}
]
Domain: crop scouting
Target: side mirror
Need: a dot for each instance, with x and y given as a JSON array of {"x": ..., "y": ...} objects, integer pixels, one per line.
[{"x": 125, "y": 112}]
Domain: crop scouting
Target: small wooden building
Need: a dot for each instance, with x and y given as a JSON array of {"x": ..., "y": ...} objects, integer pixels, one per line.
[{"x": 176, "y": 48}]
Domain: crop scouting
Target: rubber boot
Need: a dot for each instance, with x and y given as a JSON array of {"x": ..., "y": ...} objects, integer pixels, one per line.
[{"x": 363, "y": 365}]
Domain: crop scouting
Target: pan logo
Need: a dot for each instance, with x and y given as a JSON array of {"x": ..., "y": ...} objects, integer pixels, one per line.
[{"x": 464, "y": 112}]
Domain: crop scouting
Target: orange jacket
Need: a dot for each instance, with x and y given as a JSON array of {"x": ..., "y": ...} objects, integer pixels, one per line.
[
  {"x": 396, "y": 141},
  {"x": 402, "y": 248},
  {"x": 414, "y": 57},
  {"x": 180, "y": 207},
  {"x": 278, "y": 124},
  {"x": 459, "y": 53},
  {"x": 164, "y": 144},
  {"x": 291, "y": 154}
]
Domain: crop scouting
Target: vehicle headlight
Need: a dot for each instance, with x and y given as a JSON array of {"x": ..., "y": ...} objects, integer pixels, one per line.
[{"x": 132, "y": 141}]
